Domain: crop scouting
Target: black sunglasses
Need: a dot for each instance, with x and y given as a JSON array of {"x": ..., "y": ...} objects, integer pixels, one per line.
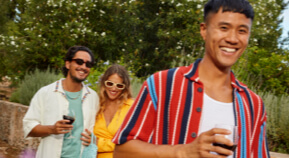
[{"x": 80, "y": 62}]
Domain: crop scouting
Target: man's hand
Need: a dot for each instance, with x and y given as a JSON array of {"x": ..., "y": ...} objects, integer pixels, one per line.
[
  {"x": 202, "y": 146},
  {"x": 199, "y": 148},
  {"x": 86, "y": 137},
  {"x": 60, "y": 127}
]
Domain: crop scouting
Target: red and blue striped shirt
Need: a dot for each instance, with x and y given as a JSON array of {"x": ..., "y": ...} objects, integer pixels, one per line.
[{"x": 168, "y": 110}]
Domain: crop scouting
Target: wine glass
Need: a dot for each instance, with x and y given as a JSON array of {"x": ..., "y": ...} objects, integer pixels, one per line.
[
  {"x": 71, "y": 118},
  {"x": 233, "y": 137}
]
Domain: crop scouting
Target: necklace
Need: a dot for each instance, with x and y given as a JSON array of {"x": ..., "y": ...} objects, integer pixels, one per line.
[{"x": 73, "y": 98}]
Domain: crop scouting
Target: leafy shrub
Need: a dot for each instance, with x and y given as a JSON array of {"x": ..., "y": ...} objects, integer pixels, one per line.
[
  {"x": 31, "y": 83},
  {"x": 136, "y": 86},
  {"x": 277, "y": 122}
]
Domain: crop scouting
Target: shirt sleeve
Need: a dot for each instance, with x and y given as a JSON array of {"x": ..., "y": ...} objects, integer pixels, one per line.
[
  {"x": 33, "y": 116},
  {"x": 139, "y": 123}
]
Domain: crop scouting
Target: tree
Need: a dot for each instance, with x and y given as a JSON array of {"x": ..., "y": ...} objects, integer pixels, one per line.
[
  {"x": 265, "y": 60},
  {"x": 146, "y": 35}
]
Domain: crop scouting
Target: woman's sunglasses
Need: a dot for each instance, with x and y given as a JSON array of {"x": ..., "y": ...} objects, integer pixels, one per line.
[
  {"x": 80, "y": 62},
  {"x": 110, "y": 84}
]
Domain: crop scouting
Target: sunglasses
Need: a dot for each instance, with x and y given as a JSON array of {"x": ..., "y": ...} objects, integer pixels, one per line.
[
  {"x": 110, "y": 84},
  {"x": 80, "y": 62}
]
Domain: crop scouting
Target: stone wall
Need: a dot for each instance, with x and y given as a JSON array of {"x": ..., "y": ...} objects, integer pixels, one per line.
[{"x": 11, "y": 131}]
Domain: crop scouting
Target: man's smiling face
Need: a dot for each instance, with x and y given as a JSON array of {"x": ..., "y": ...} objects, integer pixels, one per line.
[
  {"x": 226, "y": 35},
  {"x": 78, "y": 73}
]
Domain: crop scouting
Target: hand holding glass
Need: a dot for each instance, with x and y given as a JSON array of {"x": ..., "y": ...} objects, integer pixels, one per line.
[
  {"x": 233, "y": 137},
  {"x": 71, "y": 118}
]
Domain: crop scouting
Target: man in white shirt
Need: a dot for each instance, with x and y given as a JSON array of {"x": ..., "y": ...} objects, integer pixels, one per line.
[{"x": 44, "y": 117}]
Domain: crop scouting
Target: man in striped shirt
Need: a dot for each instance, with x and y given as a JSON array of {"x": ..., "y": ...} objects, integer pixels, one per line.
[{"x": 176, "y": 110}]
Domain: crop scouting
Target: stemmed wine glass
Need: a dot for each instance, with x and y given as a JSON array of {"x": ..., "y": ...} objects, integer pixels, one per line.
[
  {"x": 233, "y": 137},
  {"x": 71, "y": 118}
]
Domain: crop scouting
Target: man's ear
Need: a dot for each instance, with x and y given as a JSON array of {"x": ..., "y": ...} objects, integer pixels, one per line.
[
  {"x": 67, "y": 64},
  {"x": 203, "y": 30}
]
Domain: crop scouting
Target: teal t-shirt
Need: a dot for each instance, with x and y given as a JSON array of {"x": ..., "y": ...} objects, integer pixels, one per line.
[{"x": 71, "y": 147}]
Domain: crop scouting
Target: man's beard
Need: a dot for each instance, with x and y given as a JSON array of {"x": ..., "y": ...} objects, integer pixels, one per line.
[{"x": 75, "y": 79}]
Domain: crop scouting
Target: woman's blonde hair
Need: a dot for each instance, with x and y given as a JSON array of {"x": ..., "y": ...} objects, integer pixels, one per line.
[{"x": 123, "y": 74}]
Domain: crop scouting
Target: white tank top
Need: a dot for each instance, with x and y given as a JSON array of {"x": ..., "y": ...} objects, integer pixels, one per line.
[{"x": 215, "y": 112}]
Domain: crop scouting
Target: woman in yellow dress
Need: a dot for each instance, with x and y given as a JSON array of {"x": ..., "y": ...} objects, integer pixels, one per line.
[{"x": 115, "y": 100}]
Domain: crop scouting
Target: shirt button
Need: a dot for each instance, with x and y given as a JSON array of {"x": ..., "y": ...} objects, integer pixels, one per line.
[
  {"x": 194, "y": 135},
  {"x": 200, "y": 89},
  {"x": 199, "y": 109}
]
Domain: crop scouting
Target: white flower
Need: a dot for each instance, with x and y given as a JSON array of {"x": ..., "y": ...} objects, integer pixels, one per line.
[
  {"x": 140, "y": 40},
  {"x": 103, "y": 34},
  {"x": 199, "y": 6},
  {"x": 8, "y": 78},
  {"x": 123, "y": 49},
  {"x": 179, "y": 4},
  {"x": 102, "y": 12},
  {"x": 106, "y": 63},
  {"x": 12, "y": 42},
  {"x": 39, "y": 35}
]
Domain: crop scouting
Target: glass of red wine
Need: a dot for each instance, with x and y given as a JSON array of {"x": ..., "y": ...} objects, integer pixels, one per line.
[
  {"x": 71, "y": 118},
  {"x": 233, "y": 137}
]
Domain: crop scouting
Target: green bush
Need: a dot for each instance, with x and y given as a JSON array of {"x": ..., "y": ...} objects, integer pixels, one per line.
[
  {"x": 277, "y": 122},
  {"x": 136, "y": 86},
  {"x": 31, "y": 83}
]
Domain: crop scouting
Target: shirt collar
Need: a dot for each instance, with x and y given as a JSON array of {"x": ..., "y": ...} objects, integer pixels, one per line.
[
  {"x": 191, "y": 72},
  {"x": 59, "y": 88}
]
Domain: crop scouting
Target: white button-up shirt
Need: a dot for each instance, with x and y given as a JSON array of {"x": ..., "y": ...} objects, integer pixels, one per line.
[{"x": 48, "y": 106}]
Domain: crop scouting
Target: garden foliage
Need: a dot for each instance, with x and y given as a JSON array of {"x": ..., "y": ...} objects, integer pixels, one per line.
[
  {"x": 147, "y": 34},
  {"x": 31, "y": 83}
]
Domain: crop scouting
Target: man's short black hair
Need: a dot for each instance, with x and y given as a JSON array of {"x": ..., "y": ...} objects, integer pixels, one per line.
[
  {"x": 237, "y": 6},
  {"x": 71, "y": 53}
]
